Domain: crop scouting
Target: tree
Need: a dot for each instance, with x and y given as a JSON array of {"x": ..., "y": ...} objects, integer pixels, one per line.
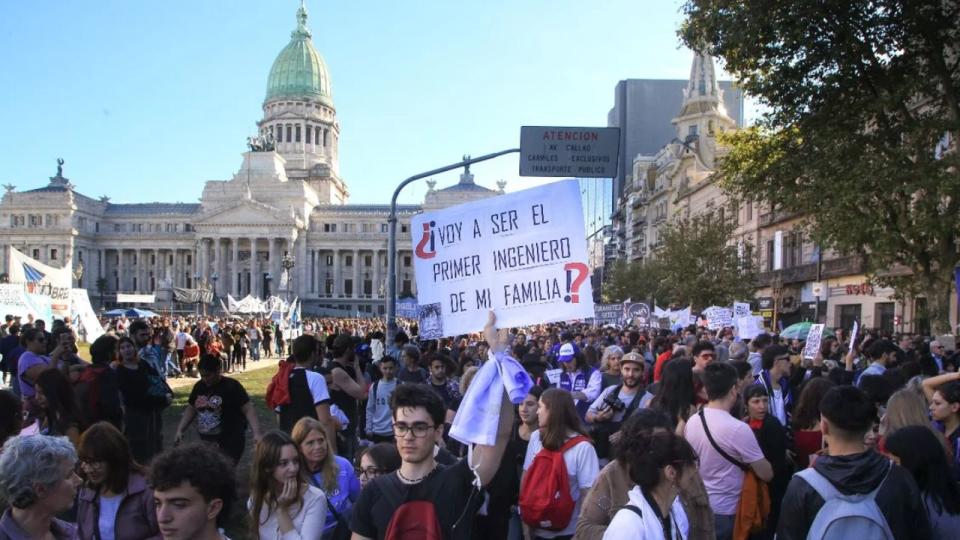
[
  {"x": 698, "y": 265},
  {"x": 862, "y": 101},
  {"x": 632, "y": 281}
]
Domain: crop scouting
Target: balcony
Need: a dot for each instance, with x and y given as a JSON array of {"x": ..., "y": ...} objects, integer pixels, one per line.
[
  {"x": 777, "y": 216},
  {"x": 842, "y": 266},
  {"x": 639, "y": 201},
  {"x": 794, "y": 274}
]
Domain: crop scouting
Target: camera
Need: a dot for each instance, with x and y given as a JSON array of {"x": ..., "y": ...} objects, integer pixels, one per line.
[{"x": 614, "y": 402}]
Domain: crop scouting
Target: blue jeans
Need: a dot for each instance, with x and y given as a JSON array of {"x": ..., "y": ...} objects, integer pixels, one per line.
[
  {"x": 723, "y": 526},
  {"x": 254, "y": 349},
  {"x": 171, "y": 365}
]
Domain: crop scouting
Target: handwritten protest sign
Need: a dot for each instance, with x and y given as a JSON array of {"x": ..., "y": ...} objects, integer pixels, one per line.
[
  {"x": 853, "y": 335},
  {"x": 749, "y": 327},
  {"x": 813, "y": 341},
  {"x": 718, "y": 317},
  {"x": 523, "y": 255},
  {"x": 741, "y": 309},
  {"x": 638, "y": 315}
]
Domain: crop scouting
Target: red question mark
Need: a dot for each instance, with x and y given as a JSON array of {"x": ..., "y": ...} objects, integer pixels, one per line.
[{"x": 574, "y": 287}]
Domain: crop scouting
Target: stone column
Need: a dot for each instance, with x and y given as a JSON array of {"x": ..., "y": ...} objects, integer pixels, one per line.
[
  {"x": 301, "y": 269},
  {"x": 356, "y": 273},
  {"x": 313, "y": 270},
  {"x": 337, "y": 274},
  {"x": 235, "y": 268},
  {"x": 253, "y": 267},
  {"x": 376, "y": 274},
  {"x": 272, "y": 265}
]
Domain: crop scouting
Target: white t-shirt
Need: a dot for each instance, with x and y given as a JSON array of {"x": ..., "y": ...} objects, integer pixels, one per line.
[
  {"x": 723, "y": 479},
  {"x": 108, "y": 516},
  {"x": 181, "y": 340},
  {"x": 582, "y": 469}
]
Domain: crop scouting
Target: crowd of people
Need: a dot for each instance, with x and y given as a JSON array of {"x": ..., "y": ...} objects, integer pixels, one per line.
[{"x": 601, "y": 433}]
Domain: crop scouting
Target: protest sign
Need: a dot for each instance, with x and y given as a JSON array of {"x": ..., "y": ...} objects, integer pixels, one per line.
[
  {"x": 741, "y": 309},
  {"x": 813, "y": 341},
  {"x": 638, "y": 315},
  {"x": 718, "y": 317},
  {"x": 407, "y": 308},
  {"x": 606, "y": 314},
  {"x": 14, "y": 300},
  {"x": 40, "y": 279},
  {"x": 84, "y": 318},
  {"x": 523, "y": 255},
  {"x": 749, "y": 327},
  {"x": 853, "y": 335},
  {"x": 553, "y": 375}
]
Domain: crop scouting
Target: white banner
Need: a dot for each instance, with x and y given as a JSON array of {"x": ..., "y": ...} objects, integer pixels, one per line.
[
  {"x": 14, "y": 300},
  {"x": 741, "y": 309},
  {"x": 523, "y": 254},
  {"x": 40, "y": 279},
  {"x": 749, "y": 327},
  {"x": 718, "y": 317},
  {"x": 813, "y": 341},
  {"x": 128, "y": 298},
  {"x": 85, "y": 320}
]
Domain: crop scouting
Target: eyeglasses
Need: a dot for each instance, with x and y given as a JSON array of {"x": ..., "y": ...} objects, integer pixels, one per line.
[
  {"x": 419, "y": 430},
  {"x": 369, "y": 472}
]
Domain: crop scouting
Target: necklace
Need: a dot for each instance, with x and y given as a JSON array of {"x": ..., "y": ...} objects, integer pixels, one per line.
[{"x": 417, "y": 480}]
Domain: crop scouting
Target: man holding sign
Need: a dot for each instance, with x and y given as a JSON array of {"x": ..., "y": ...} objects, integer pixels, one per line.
[{"x": 522, "y": 254}]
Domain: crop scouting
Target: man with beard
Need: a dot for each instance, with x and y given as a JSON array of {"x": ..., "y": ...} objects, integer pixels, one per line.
[{"x": 615, "y": 404}]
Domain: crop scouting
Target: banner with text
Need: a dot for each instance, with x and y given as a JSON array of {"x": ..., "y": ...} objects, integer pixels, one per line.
[
  {"x": 84, "y": 318},
  {"x": 812, "y": 346},
  {"x": 38, "y": 278},
  {"x": 607, "y": 314},
  {"x": 523, "y": 254}
]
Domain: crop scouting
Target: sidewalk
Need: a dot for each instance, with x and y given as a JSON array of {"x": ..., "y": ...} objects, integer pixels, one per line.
[{"x": 264, "y": 363}]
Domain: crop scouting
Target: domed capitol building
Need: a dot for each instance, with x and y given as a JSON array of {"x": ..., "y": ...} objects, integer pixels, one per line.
[{"x": 287, "y": 198}]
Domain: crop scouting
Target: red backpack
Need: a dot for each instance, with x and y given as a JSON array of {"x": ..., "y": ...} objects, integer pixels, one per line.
[
  {"x": 415, "y": 520},
  {"x": 278, "y": 391},
  {"x": 545, "y": 501}
]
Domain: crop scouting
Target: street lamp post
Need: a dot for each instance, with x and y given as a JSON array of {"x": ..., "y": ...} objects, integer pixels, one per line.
[
  {"x": 288, "y": 262},
  {"x": 392, "y": 246},
  {"x": 78, "y": 273},
  {"x": 214, "y": 277}
]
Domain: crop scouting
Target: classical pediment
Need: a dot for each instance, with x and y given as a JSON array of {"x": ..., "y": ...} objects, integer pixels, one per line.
[{"x": 247, "y": 212}]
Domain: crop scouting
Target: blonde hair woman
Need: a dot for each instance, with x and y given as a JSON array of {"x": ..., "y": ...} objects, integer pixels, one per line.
[
  {"x": 329, "y": 472},
  {"x": 282, "y": 502},
  {"x": 907, "y": 408}
]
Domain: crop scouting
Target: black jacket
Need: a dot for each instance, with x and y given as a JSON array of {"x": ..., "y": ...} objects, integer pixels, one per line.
[{"x": 898, "y": 499}]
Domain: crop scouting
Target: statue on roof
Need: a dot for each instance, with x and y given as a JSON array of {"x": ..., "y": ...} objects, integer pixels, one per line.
[
  {"x": 59, "y": 167},
  {"x": 9, "y": 187},
  {"x": 262, "y": 143}
]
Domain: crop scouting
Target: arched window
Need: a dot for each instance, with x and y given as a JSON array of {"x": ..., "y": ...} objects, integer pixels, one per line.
[
  {"x": 297, "y": 138},
  {"x": 289, "y": 133},
  {"x": 316, "y": 135},
  {"x": 279, "y": 133},
  {"x": 309, "y": 132},
  {"x": 326, "y": 132}
]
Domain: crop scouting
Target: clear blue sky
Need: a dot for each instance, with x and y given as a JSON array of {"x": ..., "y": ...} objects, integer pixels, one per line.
[{"x": 147, "y": 100}]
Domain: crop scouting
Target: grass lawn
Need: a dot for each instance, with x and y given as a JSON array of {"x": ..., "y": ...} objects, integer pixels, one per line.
[{"x": 255, "y": 383}]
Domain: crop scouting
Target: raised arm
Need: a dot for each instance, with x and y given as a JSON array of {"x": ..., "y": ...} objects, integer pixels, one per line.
[
  {"x": 487, "y": 458},
  {"x": 930, "y": 384}
]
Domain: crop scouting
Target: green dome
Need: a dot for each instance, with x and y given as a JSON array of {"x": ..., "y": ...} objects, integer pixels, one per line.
[{"x": 299, "y": 71}]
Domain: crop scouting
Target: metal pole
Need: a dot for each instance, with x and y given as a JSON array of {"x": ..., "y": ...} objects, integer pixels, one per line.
[
  {"x": 392, "y": 245},
  {"x": 816, "y": 307}
]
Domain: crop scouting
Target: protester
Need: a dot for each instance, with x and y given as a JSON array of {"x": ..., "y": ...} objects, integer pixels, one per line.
[
  {"x": 375, "y": 461},
  {"x": 411, "y": 371},
  {"x": 807, "y": 435},
  {"x": 582, "y": 381},
  {"x": 772, "y": 437},
  {"x": 11, "y": 415},
  {"x": 348, "y": 388},
  {"x": 943, "y": 393},
  {"x": 38, "y": 481},
  {"x": 115, "y": 502},
  {"x": 616, "y": 403},
  {"x": 757, "y": 346},
  {"x": 194, "y": 491},
  {"x": 561, "y": 431},
  {"x": 907, "y": 408},
  {"x": 850, "y": 468},
  {"x": 440, "y": 382},
  {"x": 379, "y": 418},
  {"x": 775, "y": 379},
  {"x": 729, "y": 450},
  {"x": 676, "y": 395},
  {"x": 916, "y": 449},
  {"x": 142, "y": 424},
  {"x": 656, "y": 462},
  {"x": 98, "y": 388},
  {"x": 308, "y": 390},
  {"x": 11, "y": 349},
  {"x": 57, "y": 406},
  {"x": 222, "y": 409},
  {"x": 32, "y": 362},
  {"x": 448, "y": 492},
  {"x": 329, "y": 472},
  {"x": 283, "y": 503},
  {"x": 610, "y": 366}
]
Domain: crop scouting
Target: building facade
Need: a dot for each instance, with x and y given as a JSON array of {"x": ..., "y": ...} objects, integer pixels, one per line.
[{"x": 287, "y": 198}]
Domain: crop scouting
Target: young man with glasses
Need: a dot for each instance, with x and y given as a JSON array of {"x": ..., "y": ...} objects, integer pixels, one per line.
[
  {"x": 775, "y": 378},
  {"x": 454, "y": 492}
]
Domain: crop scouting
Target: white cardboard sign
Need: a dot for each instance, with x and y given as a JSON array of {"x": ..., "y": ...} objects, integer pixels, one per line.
[
  {"x": 523, "y": 255},
  {"x": 813, "y": 341}
]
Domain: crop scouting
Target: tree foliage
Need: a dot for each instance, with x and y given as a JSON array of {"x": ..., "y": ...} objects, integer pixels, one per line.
[
  {"x": 696, "y": 265},
  {"x": 859, "y": 95}
]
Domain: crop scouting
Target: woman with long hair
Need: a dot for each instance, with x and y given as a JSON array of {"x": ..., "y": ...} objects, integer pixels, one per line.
[
  {"x": 141, "y": 417},
  {"x": 560, "y": 424},
  {"x": 807, "y": 436},
  {"x": 916, "y": 449},
  {"x": 115, "y": 501},
  {"x": 907, "y": 408},
  {"x": 58, "y": 414},
  {"x": 610, "y": 366},
  {"x": 377, "y": 460},
  {"x": 772, "y": 438},
  {"x": 282, "y": 502},
  {"x": 656, "y": 462},
  {"x": 675, "y": 395},
  {"x": 331, "y": 473}
]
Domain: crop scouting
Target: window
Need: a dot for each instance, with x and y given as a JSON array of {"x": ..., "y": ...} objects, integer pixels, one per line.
[
  {"x": 329, "y": 260},
  {"x": 368, "y": 287},
  {"x": 794, "y": 247},
  {"x": 847, "y": 314},
  {"x": 328, "y": 286},
  {"x": 279, "y": 133},
  {"x": 384, "y": 228},
  {"x": 406, "y": 260},
  {"x": 97, "y": 227},
  {"x": 692, "y": 130},
  {"x": 316, "y": 135},
  {"x": 308, "y": 133},
  {"x": 36, "y": 254},
  {"x": 749, "y": 211},
  {"x": 349, "y": 227},
  {"x": 884, "y": 316},
  {"x": 405, "y": 289},
  {"x": 36, "y": 220},
  {"x": 325, "y": 133},
  {"x": 771, "y": 256},
  {"x": 348, "y": 260},
  {"x": 189, "y": 258},
  {"x": 330, "y": 227},
  {"x": 368, "y": 260},
  {"x": 53, "y": 254},
  {"x": 289, "y": 133},
  {"x": 170, "y": 259},
  {"x": 348, "y": 287},
  {"x": 403, "y": 228},
  {"x": 297, "y": 136}
]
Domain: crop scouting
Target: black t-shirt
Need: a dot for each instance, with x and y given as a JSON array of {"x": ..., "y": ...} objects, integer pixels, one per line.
[
  {"x": 418, "y": 376},
  {"x": 455, "y": 498},
  {"x": 220, "y": 412}
]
